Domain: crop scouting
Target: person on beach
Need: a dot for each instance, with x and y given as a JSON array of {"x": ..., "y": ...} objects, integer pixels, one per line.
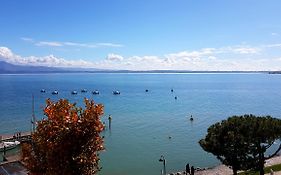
[
  {"x": 187, "y": 169},
  {"x": 271, "y": 172},
  {"x": 4, "y": 150},
  {"x": 192, "y": 170}
]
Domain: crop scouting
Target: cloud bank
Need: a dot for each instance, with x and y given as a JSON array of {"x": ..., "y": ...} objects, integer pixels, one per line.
[
  {"x": 50, "y": 60},
  {"x": 232, "y": 58}
]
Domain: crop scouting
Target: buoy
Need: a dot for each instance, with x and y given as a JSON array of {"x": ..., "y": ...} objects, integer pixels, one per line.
[
  {"x": 191, "y": 118},
  {"x": 109, "y": 121}
]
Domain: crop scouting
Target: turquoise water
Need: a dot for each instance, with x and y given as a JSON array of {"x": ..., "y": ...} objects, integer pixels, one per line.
[{"x": 143, "y": 121}]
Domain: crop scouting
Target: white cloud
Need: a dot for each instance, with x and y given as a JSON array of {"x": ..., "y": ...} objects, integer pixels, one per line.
[
  {"x": 239, "y": 50},
  {"x": 274, "y": 34},
  {"x": 74, "y": 44},
  {"x": 114, "y": 57},
  {"x": 27, "y": 39},
  {"x": 273, "y": 45},
  {"x": 6, "y": 53},
  {"x": 50, "y": 60},
  {"x": 47, "y": 43},
  {"x": 71, "y": 44},
  {"x": 109, "y": 45},
  {"x": 212, "y": 57},
  {"x": 230, "y": 58},
  {"x": 246, "y": 50},
  {"x": 79, "y": 44}
]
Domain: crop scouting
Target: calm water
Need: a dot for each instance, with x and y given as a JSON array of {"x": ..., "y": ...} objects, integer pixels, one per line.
[{"x": 142, "y": 122}]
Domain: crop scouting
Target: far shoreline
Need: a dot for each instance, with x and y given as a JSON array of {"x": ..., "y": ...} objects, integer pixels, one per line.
[{"x": 135, "y": 72}]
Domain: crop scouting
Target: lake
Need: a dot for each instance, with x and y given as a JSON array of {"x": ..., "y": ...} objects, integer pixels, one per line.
[{"x": 142, "y": 122}]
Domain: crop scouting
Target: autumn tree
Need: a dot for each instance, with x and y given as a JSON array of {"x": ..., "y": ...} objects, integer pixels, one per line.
[
  {"x": 241, "y": 141},
  {"x": 68, "y": 141}
]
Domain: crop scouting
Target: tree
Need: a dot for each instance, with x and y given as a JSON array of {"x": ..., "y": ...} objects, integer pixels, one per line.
[
  {"x": 263, "y": 132},
  {"x": 241, "y": 141},
  {"x": 68, "y": 141},
  {"x": 225, "y": 141}
]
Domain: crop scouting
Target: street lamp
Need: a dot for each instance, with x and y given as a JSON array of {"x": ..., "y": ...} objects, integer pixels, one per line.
[{"x": 162, "y": 159}]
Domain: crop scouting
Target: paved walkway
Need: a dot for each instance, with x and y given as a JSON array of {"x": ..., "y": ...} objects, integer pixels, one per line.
[
  {"x": 13, "y": 168},
  {"x": 224, "y": 170},
  {"x": 17, "y": 136}
]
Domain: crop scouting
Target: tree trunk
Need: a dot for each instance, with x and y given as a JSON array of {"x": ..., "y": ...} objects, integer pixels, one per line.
[
  {"x": 261, "y": 170},
  {"x": 234, "y": 171},
  {"x": 261, "y": 163}
]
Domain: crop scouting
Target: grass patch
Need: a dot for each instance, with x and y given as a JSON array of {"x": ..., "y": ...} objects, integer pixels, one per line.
[{"x": 275, "y": 168}]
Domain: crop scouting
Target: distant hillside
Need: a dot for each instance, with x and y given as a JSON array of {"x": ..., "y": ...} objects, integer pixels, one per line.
[
  {"x": 275, "y": 72},
  {"x": 11, "y": 68},
  {"x": 8, "y": 68}
]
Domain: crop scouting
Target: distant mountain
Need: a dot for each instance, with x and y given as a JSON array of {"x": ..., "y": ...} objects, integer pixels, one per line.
[
  {"x": 274, "y": 72},
  {"x": 8, "y": 68},
  {"x": 11, "y": 68}
]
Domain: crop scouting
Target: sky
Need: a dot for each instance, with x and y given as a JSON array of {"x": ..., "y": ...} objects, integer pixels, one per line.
[{"x": 194, "y": 35}]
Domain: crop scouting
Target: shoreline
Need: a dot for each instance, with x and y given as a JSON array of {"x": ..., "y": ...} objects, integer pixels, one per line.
[{"x": 224, "y": 170}]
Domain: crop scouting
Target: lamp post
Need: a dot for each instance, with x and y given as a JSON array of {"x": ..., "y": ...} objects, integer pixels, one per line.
[{"x": 162, "y": 159}]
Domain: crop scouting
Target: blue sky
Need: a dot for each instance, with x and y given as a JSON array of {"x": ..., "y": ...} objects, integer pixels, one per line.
[{"x": 143, "y": 35}]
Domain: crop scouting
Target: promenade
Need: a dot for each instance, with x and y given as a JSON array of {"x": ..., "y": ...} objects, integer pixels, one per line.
[
  {"x": 12, "y": 165},
  {"x": 19, "y": 136}
]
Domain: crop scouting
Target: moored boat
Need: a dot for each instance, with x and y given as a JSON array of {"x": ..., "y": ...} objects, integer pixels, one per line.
[
  {"x": 55, "y": 92},
  {"x": 74, "y": 92},
  {"x": 84, "y": 90},
  {"x": 96, "y": 92},
  {"x": 5, "y": 146},
  {"x": 116, "y": 92}
]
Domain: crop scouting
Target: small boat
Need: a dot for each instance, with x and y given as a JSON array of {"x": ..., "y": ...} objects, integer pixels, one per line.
[
  {"x": 43, "y": 90},
  {"x": 4, "y": 146},
  {"x": 116, "y": 92},
  {"x": 84, "y": 90},
  {"x": 74, "y": 92},
  {"x": 55, "y": 92},
  {"x": 96, "y": 92}
]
